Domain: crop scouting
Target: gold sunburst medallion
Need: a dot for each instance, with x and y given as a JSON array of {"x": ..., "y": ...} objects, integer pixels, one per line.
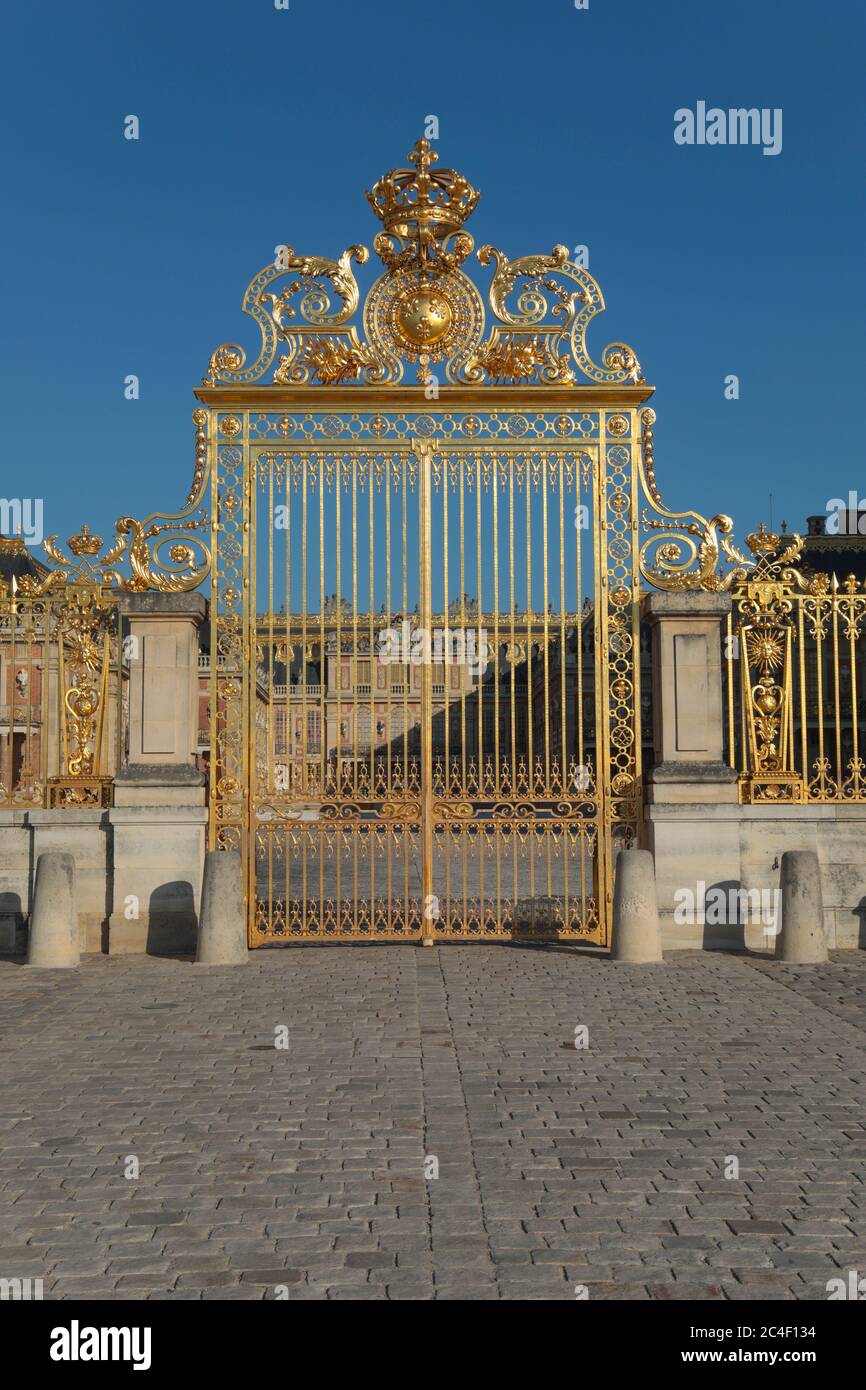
[{"x": 422, "y": 317}]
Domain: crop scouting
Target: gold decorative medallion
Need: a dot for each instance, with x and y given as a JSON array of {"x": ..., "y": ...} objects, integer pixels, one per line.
[
  {"x": 422, "y": 317},
  {"x": 406, "y": 316}
]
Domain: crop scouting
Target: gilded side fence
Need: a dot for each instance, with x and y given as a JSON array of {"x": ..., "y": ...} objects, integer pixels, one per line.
[
  {"x": 62, "y": 687},
  {"x": 795, "y": 651},
  {"x": 65, "y": 656}
]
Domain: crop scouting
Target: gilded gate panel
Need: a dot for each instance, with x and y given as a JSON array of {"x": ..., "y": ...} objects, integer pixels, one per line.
[
  {"x": 471, "y": 787},
  {"x": 335, "y": 781},
  {"x": 515, "y": 810}
]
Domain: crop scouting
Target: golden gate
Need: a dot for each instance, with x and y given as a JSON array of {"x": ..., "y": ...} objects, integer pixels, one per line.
[{"x": 425, "y": 684}]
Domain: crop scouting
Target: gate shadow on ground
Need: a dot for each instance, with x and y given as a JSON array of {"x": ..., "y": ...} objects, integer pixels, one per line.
[
  {"x": 724, "y": 936},
  {"x": 172, "y": 924},
  {"x": 567, "y": 948},
  {"x": 11, "y": 923}
]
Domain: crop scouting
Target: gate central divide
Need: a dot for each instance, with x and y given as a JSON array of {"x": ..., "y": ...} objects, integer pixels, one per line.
[{"x": 424, "y": 626}]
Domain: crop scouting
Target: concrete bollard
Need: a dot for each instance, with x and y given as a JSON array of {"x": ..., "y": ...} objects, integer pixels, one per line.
[
  {"x": 636, "y": 938},
  {"x": 222, "y": 928},
  {"x": 53, "y": 941},
  {"x": 802, "y": 940}
]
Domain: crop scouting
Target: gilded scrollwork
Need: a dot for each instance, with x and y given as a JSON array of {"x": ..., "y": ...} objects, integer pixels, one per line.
[
  {"x": 685, "y": 553},
  {"x": 274, "y": 312},
  {"x": 186, "y": 566},
  {"x": 543, "y": 296},
  {"x": 685, "y": 550},
  {"x": 149, "y": 570},
  {"x": 315, "y": 304},
  {"x": 423, "y": 309},
  {"x": 87, "y": 622},
  {"x": 199, "y": 419},
  {"x": 532, "y": 305},
  {"x": 163, "y": 552},
  {"x": 766, "y": 629}
]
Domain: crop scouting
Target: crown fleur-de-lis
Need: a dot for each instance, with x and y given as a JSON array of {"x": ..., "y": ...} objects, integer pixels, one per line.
[{"x": 85, "y": 543}]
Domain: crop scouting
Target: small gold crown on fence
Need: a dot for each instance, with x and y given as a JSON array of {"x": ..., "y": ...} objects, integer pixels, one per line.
[
  {"x": 85, "y": 543},
  {"x": 425, "y": 200},
  {"x": 762, "y": 541}
]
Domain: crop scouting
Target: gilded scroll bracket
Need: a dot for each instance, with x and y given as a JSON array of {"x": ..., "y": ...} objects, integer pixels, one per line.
[{"x": 423, "y": 309}]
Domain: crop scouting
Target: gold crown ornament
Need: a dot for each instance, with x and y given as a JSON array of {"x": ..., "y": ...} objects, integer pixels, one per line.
[
  {"x": 423, "y": 208},
  {"x": 85, "y": 543},
  {"x": 762, "y": 541}
]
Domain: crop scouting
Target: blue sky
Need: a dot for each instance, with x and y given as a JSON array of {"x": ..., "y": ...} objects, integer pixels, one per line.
[{"x": 261, "y": 126}]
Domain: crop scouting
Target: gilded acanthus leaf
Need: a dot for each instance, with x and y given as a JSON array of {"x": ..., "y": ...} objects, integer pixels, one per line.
[
  {"x": 508, "y": 272},
  {"x": 330, "y": 360},
  {"x": 315, "y": 304},
  {"x": 519, "y": 357}
]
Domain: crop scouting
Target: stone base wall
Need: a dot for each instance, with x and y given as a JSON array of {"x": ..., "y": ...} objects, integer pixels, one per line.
[
  {"x": 740, "y": 847},
  {"x": 139, "y": 870},
  {"x": 138, "y": 874}
]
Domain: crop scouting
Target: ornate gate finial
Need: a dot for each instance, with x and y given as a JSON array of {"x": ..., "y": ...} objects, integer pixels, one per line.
[{"x": 423, "y": 209}]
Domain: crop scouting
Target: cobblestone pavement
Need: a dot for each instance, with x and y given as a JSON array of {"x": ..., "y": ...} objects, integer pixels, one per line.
[{"x": 557, "y": 1167}]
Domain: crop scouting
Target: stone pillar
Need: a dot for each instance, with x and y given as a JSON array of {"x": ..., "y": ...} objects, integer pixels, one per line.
[
  {"x": 159, "y": 818},
  {"x": 693, "y": 816},
  {"x": 162, "y": 646},
  {"x": 688, "y": 710},
  {"x": 113, "y": 751}
]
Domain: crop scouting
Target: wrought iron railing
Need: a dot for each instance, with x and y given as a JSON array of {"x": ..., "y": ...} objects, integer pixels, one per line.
[
  {"x": 795, "y": 651},
  {"x": 62, "y": 674},
  {"x": 65, "y": 655}
]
